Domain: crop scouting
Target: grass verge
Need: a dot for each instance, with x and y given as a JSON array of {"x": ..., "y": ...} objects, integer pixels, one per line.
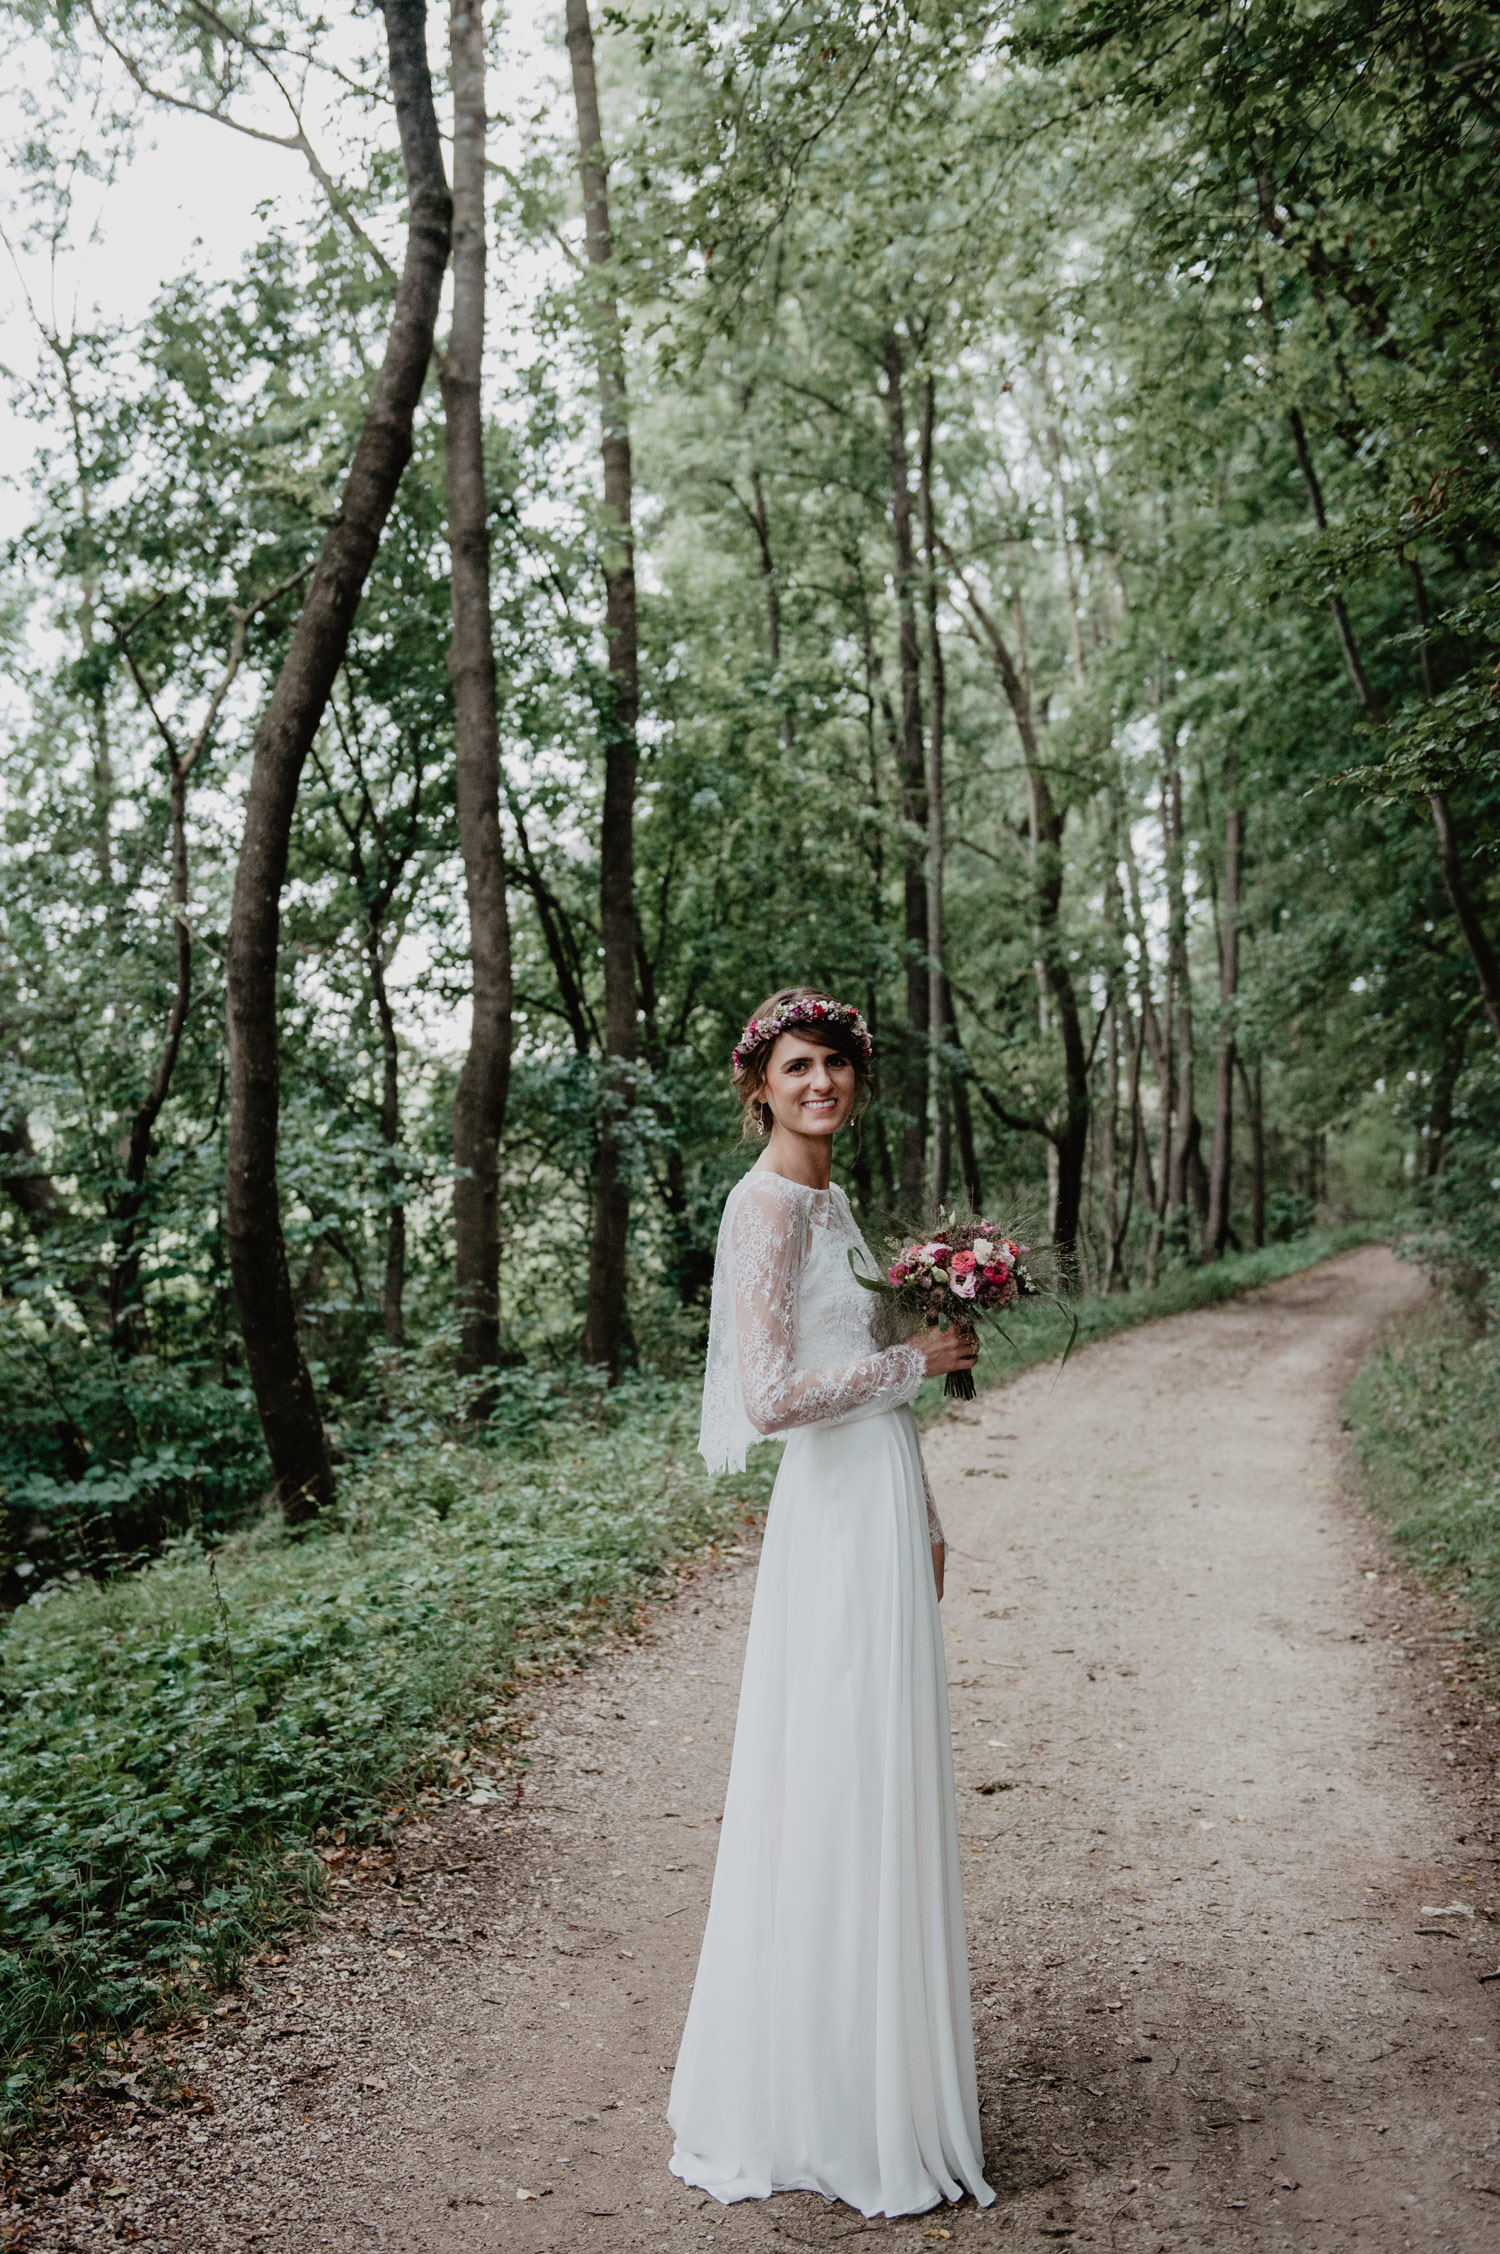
[
  {"x": 172, "y": 1741},
  {"x": 1424, "y": 1411}
]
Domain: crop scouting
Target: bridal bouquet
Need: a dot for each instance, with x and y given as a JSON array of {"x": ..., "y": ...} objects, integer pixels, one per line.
[{"x": 963, "y": 1272}]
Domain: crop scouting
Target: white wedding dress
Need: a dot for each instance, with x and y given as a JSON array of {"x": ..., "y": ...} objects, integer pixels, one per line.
[{"x": 828, "y": 2044}]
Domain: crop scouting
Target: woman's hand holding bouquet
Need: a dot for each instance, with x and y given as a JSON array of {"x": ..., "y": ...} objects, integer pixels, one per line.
[{"x": 952, "y": 1280}]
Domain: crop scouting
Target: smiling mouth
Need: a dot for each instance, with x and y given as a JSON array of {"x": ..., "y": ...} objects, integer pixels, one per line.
[{"x": 820, "y": 1103}]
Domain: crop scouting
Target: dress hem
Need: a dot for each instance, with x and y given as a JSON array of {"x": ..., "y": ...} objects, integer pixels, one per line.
[{"x": 729, "y": 2190}]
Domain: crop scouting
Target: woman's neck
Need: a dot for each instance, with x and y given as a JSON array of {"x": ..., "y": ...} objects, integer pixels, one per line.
[{"x": 807, "y": 1159}]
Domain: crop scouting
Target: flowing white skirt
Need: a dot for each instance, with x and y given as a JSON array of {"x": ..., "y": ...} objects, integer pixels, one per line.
[{"x": 829, "y": 2045}]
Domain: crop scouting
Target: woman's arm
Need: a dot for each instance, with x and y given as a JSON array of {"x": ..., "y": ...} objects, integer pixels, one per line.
[{"x": 770, "y": 1242}]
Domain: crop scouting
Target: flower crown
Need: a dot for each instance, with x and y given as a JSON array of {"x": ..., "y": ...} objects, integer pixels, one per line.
[{"x": 809, "y": 1012}]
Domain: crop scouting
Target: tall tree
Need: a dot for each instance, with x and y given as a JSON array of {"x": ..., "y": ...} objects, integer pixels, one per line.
[
  {"x": 913, "y": 770},
  {"x": 1221, "y": 1159},
  {"x": 479, "y": 1105},
  {"x": 278, "y": 1368},
  {"x": 1068, "y": 1134},
  {"x": 937, "y": 703},
  {"x": 604, "y": 1335}
]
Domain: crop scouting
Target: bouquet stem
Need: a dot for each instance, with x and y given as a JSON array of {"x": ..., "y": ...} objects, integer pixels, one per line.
[{"x": 958, "y": 1385}]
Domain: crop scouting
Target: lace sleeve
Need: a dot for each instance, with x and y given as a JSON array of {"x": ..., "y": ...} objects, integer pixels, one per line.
[{"x": 770, "y": 1239}]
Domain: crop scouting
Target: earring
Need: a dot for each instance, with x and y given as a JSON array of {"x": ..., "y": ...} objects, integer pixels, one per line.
[{"x": 761, "y": 1111}]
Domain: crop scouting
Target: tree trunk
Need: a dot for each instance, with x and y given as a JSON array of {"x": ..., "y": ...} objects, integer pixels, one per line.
[
  {"x": 1068, "y": 1139},
  {"x": 1107, "y": 1118},
  {"x": 1368, "y": 702},
  {"x": 1216, "y": 1232},
  {"x": 874, "y": 694},
  {"x": 87, "y": 565},
  {"x": 1138, "y": 1171},
  {"x": 1149, "y": 1033},
  {"x": 1450, "y": 861},
  {"x": 1164, "y": 1059},
  {"x": 390, "y": 1137},
  {"x": 760, "y": 522},
  {"x": 937, "y": 692},
  {"x": 963, "y": 1110},
  {"x": 1250, "y": 1089},
  {"x": 484, "y": 1084},
  {"x": 604, "y": 1322},
  {"x": 1185, "y": 1173},
  {"x": 1115, "y": 1001},
  {"x": 913, "y": 767},
  {"x": 257, "y": 1249}
]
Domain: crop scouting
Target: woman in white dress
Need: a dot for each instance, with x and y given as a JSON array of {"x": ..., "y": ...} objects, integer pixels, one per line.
[{"x": 828, "y": 2044}]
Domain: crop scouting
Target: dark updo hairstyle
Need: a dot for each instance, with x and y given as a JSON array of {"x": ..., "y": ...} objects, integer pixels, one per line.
[{"x": 748, "y": 1075}]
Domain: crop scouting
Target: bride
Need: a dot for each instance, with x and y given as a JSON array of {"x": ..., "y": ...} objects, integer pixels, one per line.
[{"x": 828, "y": 2044}]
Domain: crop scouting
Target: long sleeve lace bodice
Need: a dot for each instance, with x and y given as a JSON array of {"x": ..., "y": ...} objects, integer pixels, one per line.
[{"x": 790, "y": 1341}]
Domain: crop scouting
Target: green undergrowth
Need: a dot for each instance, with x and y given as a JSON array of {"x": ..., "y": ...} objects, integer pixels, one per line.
[
  {"x": 1040, "y": 1332},
  {"x": 172, "y": 1741},
  {"x": 1424, "y": 1411}
]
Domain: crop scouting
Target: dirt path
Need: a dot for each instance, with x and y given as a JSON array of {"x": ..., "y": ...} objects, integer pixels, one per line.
[{"x": 1228, "y": 1789}]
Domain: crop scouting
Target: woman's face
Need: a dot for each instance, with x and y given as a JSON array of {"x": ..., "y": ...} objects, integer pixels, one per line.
[{"x": 810, "y": 1089}]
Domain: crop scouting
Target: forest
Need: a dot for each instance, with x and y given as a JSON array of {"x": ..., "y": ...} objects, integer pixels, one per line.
[{"x": 988, "y": 509}]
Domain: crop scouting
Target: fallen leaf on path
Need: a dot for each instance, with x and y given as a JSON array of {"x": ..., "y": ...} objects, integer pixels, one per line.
[
  {"x": 523, "y": 2193},
  {"x": 398, "y": 1956}
]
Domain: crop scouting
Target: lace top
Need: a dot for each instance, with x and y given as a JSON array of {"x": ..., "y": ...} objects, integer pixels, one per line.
[{"x": 789, "y": 1338}]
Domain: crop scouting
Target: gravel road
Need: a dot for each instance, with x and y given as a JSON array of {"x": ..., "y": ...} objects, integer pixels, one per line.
[{"x": 1226, "y": 1792}]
